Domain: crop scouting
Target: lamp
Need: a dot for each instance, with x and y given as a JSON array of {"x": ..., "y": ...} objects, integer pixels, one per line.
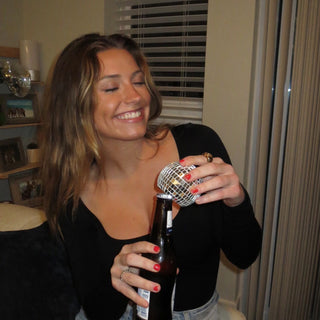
[{"x": 15, "y": 77}]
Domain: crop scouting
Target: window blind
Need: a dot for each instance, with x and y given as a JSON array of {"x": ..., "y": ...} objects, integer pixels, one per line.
[{"x": 172, "y": 35}]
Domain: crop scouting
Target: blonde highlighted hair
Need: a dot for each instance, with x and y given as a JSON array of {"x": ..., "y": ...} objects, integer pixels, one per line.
[{"x": 70, "y": 143}]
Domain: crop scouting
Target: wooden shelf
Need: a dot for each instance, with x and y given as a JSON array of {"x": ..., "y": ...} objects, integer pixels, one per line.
[
  {"x": 33, "y": 165},
  {"x": 9, "y": 52},
  {"x": 20, "y": 125}
]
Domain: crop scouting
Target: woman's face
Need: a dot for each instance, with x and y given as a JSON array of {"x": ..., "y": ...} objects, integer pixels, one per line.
[{"x": 123, "y": 101}]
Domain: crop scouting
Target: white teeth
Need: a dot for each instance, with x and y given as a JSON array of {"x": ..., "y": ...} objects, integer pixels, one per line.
[{"x": 129, "y": 115}]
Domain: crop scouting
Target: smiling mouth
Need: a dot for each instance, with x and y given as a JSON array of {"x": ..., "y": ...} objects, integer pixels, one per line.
[{"x": 129, "y": 115}]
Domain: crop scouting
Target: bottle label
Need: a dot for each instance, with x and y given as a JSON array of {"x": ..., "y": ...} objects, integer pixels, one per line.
[
  {"x": 169, "y": 221},
  {"x": 143, "y": 313}
]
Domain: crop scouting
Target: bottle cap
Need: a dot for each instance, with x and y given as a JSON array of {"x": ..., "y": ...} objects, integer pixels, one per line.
[{"x": 164, "y": 196}]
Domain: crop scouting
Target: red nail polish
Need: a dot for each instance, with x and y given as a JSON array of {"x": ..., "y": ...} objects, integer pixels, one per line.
[
  {"x": 156, "y": 249},
  {"x": 194, "y": 190},
  {"x": 187, "y": 176},
  {"x": 156, "y": 288},
  {"x": 182, "y": 161},
  {"x": 156, "y": 267}
]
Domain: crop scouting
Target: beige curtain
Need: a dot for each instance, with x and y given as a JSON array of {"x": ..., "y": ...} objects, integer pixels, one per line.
[
  {"x": 296, "y": 264},
  {"x": 283, "y": 165}
]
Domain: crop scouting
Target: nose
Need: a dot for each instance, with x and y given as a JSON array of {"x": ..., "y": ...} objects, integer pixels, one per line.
[{"x": 131, "y": 95}]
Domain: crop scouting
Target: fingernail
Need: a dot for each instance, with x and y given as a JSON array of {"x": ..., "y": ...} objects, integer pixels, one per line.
[
  {"x": 156, "y": 267},
  {"x": 187, "y": 176},
  {"x": 196, "y": 190},
  {"x": 156, "y": 288},
  {"x": 182, "y": 161},
  {"x": 156, "y": 249}
]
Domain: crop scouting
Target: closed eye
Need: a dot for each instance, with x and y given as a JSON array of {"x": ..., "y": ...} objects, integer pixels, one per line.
[
  {"x": 111, "y": 89},
  {"x": 139, "y": 83},
  {"x": 138, "y": 78}
]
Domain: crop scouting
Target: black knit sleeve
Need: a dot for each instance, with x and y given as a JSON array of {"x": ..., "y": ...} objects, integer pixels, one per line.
[
  {"x": 194, "y": 139},
  {"x": 240, "y": 234}
]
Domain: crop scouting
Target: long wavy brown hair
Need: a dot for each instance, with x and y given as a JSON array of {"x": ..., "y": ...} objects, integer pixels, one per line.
[{"x": 70, "y": 143}]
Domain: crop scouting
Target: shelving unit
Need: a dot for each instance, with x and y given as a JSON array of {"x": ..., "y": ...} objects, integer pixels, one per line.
[
  {"x": 27, "y": 131},
  {"x": 20, "y": 125},
  {"x": 9, "y": 52},
  {"x": 5, "y": 175},
  {"x": 28, "y": 166}
]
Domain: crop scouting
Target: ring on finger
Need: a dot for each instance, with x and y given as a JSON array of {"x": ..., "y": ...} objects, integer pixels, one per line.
[
  {"x": 123, "y": 272},
  {"x": 208, "y": 156},
  {"x": 129, "y": 270}
]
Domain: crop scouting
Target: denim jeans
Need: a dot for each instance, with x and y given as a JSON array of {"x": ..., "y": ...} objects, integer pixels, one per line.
[
  {"x": 81, "y": 315},
  {"x": 208, "y": 311}
]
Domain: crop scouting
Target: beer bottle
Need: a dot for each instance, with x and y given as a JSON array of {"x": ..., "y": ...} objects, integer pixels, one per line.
[{"x": 161, "y": 235}]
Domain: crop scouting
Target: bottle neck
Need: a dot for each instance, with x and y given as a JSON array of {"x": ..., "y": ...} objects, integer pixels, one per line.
[{"x": 162, "y": 223}]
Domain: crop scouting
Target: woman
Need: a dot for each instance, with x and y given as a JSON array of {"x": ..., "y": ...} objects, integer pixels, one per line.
[{"x": 101, "y": 160}]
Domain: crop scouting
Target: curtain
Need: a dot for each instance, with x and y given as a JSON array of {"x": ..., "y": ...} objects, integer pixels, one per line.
[
  {"x": 283, "y": 164},
  {"x": 294, "y": 286}
]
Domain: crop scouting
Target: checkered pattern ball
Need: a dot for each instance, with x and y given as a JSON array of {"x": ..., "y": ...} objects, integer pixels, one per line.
[{"x": 170, "y": 181}]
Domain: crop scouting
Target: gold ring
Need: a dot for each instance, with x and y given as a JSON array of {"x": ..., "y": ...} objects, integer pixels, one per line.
[{"x": 208, "y": 156}]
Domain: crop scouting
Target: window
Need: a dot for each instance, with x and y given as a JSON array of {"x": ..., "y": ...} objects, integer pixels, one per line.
[{"x": 172, "y": 35}]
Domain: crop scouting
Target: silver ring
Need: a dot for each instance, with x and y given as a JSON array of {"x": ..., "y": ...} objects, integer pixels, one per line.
[
  {"x": 208, "y": 156},
  {"x": 130, "y": 270},
  {"x": 123, "y": 272}
]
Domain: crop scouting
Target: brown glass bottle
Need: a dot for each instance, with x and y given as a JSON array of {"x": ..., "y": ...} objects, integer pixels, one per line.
[{"x": 161, "y": 235}]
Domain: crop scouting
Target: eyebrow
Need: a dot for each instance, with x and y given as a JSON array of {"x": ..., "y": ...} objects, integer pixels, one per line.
[{"x": 116, "y": 76}]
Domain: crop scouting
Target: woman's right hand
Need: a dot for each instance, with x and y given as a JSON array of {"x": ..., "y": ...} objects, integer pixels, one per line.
[{"x": 124, "y": 275}]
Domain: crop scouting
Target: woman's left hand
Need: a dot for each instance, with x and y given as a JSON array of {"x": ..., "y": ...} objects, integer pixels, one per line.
[{"x": 220, "y": 182}]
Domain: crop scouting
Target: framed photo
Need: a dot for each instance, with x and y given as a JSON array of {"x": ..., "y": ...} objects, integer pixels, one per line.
[
  {"x": 12, "y": 154},
  {"x": 18, "y": 110},
  {"x": 26, "y": 188}
]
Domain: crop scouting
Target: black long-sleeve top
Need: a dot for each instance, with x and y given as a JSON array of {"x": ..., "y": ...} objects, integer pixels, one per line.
[{"x": 199, "y": 232}]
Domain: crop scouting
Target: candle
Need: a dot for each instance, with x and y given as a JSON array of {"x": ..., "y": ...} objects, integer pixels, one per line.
[{"x": 30, "y": 58}]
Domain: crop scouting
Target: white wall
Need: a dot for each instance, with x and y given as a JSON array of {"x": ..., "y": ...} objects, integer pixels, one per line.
[
  {"x": 227, "y": 91},
  {"x": 10, "y": 23},
  {"x": 228, "y": 72},
  {"x": 55, "y": 23}
]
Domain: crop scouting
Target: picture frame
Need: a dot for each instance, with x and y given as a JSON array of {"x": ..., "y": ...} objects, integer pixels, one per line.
[
  {"x": 12, "y": 154},
  {"x": 19, "y": 110},
  {"x": 26, "y": 188}
]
